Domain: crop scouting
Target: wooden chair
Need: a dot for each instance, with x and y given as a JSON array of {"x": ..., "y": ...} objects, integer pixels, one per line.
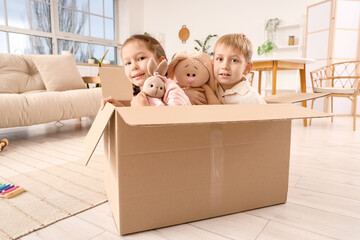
[
  {"x": 341, "y": 80},
  {"x": 250, "y": 77}
]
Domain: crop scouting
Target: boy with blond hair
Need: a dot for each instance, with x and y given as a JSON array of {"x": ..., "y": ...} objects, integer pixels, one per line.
[{"x": 232, "y": 62}]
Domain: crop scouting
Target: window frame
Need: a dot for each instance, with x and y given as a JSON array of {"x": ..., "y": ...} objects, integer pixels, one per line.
[{"x": 56, "y": 34}]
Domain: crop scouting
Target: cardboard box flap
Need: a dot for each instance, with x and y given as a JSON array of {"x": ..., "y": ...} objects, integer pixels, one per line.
[
  {"x": 96, "y": 130},
  {"x": 144, "y": 116},
  {"x": 115, "y": 83},
  {"x": 293, "y": 97}
]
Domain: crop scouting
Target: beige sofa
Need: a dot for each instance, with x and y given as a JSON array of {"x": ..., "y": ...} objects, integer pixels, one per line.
[{"x": 26, "y": 99}]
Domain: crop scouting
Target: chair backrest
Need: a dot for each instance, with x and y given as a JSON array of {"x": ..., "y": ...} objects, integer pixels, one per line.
[
  {"x": 250, "y": 77},
  {"x": 337, "y": 75}
]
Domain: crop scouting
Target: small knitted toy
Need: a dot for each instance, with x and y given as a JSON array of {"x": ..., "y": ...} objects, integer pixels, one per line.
[
  {"x": 154, "y": 87},
  {"x": 193, "y": 70},
  {"x": 3, "y": 143}
]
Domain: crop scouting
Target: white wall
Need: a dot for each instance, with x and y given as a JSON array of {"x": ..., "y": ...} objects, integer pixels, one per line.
[
  {"x": 131, "y": 19},
  {"x": 164, "y": 18},
  {"x": 203, "y": 17}
]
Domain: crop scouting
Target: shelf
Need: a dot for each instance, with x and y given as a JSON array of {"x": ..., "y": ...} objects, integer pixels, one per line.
[
  {"x": 289, "y": 26},
  {"x": 289, "y": 47},
  {"x": 95, "y": 64}
]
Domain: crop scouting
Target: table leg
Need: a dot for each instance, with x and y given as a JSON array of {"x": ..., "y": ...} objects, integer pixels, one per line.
[
  {"x": 303, "y": 88},
  {"x": 274, "y": 72},
  {"x": 259, "y": 83}
]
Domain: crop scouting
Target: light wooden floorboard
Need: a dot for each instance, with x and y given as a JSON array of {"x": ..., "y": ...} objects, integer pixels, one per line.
[
  {"x": 313, "y": 220},
  {"x": 100, "y": 216},
  {"x": 331, "y": 188},
  {"x": 138, "y": 236},
  {"x": 279, "y": 231},
  {"x": 330, "y": 203},
  {"x": 323, "y": 198},
  {"x": 230, "y": 225},
  {"x": 293, "y": 180},
  {"x": 72, "y": 228},
  {"x": 188, "y": 232}
]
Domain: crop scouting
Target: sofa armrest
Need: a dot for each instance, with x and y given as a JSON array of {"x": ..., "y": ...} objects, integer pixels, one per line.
[{"x": 91, "y": 79}]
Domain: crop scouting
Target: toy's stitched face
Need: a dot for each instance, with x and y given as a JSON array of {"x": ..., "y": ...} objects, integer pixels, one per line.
[
  {"x": 154, "y": 87},
  {"x": 191, "y": 73}
]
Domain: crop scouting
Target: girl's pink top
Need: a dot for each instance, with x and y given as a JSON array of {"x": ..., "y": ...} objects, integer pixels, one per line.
[
  {"x": 174, "y": 95},
  {"x": 155, "y": 101}
]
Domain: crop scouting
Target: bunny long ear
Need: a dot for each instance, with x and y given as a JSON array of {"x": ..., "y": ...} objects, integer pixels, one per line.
[
  {"x": 151, "y": 66},
  {"x": 163, "y": 66},
  {"x": 175, "y": 60}
]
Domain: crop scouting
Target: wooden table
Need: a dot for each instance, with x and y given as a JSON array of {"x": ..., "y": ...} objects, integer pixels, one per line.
[
  {"x": 91, "y": 79},
  {"x": 275, "y": 64}
]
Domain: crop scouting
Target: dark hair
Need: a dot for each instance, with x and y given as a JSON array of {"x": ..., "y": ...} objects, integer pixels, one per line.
[{"x": 152, "y": 44}]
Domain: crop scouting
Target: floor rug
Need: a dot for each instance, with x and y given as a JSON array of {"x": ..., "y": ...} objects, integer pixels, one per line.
[{"x": 52, "y": 193}]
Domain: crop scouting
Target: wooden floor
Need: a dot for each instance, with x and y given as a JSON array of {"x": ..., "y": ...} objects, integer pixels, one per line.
[{"x": 323, "y": 198}]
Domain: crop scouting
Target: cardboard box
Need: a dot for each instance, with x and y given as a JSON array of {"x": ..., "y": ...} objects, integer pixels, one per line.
[{"x": 172, "y": 165}]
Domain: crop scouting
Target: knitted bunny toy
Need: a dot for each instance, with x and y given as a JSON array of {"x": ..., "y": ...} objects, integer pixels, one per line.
[
  {"x": 154, "y": 86},
  {"x": 193, "y": 70}
]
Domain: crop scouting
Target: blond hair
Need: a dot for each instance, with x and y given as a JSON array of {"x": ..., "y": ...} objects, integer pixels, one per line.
[{"x": 239, "y": 42}]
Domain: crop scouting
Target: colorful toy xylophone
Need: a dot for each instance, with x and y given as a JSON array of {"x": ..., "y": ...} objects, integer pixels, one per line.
[{"x": 9, "y": 190}]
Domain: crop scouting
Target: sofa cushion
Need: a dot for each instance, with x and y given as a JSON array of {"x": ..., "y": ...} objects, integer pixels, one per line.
[
  {"x": 58, "y": 72},
  {"x": 18, "y": 74},
  {"x": 45, "y": 106},
  {"x": 334, "y": 90}
]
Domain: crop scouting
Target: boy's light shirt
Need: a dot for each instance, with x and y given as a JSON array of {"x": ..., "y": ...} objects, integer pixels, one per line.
[{"x": 241, "y": 93}]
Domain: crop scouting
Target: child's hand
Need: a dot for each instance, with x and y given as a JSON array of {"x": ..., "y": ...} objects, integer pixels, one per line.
[
  {"x": 111, "y": 100},
  {"x": 140, "y": 100},
  {"x": 196, "y": 95},
  {"x": 174, "y": 95},
  {"x": 165, "y": 79}
]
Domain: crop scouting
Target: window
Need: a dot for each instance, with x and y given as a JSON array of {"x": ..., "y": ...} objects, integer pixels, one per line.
[{"x": 84, "y": 27}]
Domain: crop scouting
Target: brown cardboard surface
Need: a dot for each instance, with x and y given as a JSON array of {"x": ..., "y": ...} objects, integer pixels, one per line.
[
  {"x": 115, "y": 83},
  {"x": 143, "y": 116},
  {"x": 293, "y": 97},
  {"x": 96, "y": 130},
  {"x": 166, "y": 175},
  {"x": 111, "y": 166},
  {"x": 171, "y": 165}
]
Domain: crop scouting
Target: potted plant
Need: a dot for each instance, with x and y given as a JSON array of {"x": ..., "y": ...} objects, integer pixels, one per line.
[
  {"x": 266, "y": 48},
  {"x": 94, "y": 60},
  {"x": 102, "y": 59},
  {"x": 203, "y": 45},
  {"x": 271, "y": 27},
  {"x": 272, "y": 24}
]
